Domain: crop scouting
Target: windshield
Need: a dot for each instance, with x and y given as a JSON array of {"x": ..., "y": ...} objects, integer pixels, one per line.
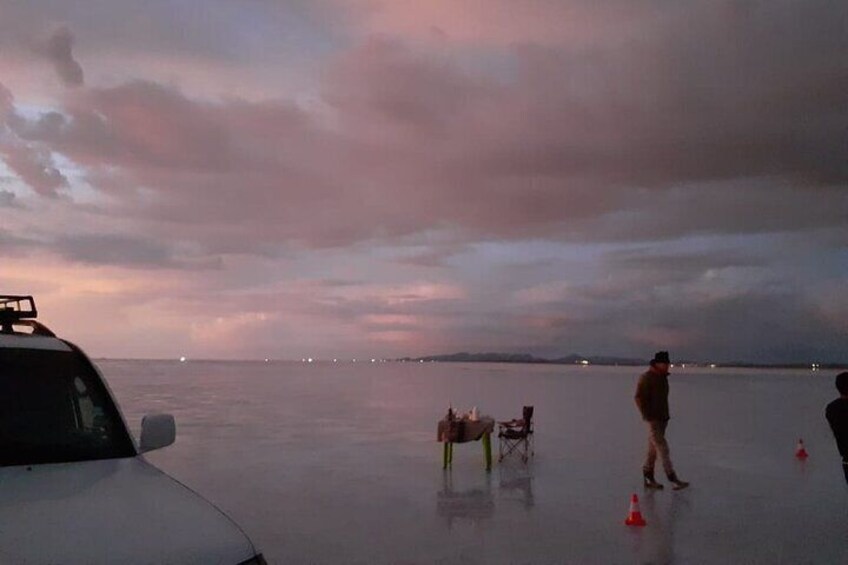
[{"x": 54, "y": 408}]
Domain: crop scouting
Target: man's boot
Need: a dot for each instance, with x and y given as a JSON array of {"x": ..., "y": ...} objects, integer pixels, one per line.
[
  {"x": 676, "y": 482},
  {"x": 650, "y": 481}
]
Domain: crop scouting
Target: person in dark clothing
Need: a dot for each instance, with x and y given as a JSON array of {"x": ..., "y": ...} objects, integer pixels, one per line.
[
  {"x": 652, "y": 400},
  {"x": 837, "y": 416}
]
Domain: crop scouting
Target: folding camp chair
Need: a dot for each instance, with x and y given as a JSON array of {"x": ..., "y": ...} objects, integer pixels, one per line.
[{"x": 516, "y": 436}]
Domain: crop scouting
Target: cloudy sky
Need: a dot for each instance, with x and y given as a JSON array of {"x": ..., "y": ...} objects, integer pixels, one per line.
[{"x": 329, "y": 178}]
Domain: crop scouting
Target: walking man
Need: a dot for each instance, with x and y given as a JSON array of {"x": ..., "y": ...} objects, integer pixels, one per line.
[
  {"x": 652, "y": 400},
  {"x": 837, "y": 417}
]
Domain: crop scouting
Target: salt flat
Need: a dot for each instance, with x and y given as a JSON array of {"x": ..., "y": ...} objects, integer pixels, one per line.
[{"x": 338, "y": 463}]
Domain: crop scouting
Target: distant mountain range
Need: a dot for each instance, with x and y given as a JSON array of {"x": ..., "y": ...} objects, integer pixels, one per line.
[{"x": 575, "y": 359}]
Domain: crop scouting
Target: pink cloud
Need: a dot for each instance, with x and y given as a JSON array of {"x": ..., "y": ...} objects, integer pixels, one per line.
[
  {"x": 411, "y": 142},
  {"x": 504, "y": 22}
]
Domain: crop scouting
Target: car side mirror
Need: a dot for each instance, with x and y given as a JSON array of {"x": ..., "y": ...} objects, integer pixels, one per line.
[{"x": 157, "y": 431}]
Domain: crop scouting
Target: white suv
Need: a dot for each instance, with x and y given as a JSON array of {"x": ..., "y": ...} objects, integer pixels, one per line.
[{"x": 74, "y": 486}]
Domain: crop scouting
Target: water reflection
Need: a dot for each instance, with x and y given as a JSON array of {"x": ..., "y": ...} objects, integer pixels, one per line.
[
  {"x": 308, "y": 437},
  {"x": 516, "y": 484},
  {"x": 663, "y": 516},
  {"x": 474, "y": 504}
]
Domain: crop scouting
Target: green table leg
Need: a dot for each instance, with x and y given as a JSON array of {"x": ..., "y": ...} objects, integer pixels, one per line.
[{"x": 487, "y": 449}]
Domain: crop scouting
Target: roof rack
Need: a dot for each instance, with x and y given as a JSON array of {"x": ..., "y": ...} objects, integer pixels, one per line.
[
  {"x": 13, "y": 308},
  {"x": 20, "y": 310}
]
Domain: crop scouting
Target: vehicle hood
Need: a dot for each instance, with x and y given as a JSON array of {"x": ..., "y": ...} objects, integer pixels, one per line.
[{"x": 112, "y": 511}]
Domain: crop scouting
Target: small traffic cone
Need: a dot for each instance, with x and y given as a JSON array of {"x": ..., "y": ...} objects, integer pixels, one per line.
[
  {"x": 634, "y": 517},
  {"x": 800, "y": 451}
]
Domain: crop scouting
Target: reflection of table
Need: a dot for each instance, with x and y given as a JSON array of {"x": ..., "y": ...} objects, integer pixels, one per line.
[
  {"x": 473, "y": 504},
  {"x": 465, "y": 432}
]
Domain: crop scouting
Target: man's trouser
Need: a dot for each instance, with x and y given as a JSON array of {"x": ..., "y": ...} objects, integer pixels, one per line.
[
  {"x": 845, "y": 469},
  {"x": 657, "y": 445}
]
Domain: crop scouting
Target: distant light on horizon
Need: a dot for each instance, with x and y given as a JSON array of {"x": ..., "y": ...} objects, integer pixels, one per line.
[{"x": 182, "y": 359}]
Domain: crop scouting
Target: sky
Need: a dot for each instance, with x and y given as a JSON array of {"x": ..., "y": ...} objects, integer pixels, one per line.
[{"x": 374, "y": 178}]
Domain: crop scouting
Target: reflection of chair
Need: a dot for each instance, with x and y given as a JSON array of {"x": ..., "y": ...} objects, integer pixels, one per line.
[
  {"x": 517, "y": 436},
  {"x": 516, "y": 485},
  {"x": 473, "y": 505}
]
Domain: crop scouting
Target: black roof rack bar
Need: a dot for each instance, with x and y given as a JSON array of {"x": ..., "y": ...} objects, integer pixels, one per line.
[
  {"x": 17, "y": 307},
  {"x": 14, "y": 309},
  {"x": 38, "y": 328}
]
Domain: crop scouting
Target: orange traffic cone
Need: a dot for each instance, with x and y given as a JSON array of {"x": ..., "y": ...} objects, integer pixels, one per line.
[
  {"x": 634, "y": 517},
  {"x": 800, "y": 451}
]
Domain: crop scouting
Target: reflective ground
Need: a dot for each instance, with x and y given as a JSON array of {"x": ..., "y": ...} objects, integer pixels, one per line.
[{"x": 337, "y": 463}]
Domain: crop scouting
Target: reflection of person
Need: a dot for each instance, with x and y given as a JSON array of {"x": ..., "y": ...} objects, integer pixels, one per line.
[
  {"x": 652, "y": 400},
  {"x": 837, "y": 416}
]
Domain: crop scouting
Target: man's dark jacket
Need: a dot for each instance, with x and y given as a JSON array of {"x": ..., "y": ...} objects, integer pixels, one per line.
[
  {"x": 837, "y": 417},
  {"x": 652, "y": 396}
]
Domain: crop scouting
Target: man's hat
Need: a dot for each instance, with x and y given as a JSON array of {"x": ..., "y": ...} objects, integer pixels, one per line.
[{"x": 661, "y": 357}]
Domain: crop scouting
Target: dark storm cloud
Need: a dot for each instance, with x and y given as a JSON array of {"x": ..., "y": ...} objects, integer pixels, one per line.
[
  {"x": 113, "y": 250},
  {"x": 103, "y": 249},
  {"x": 7, "y": 199},
  {"x": 32, "y": 162},
  {"x": 126, "y": 251},
  {"x": 735, "y": 126},
  {"x": 708, "y": 307},
  {"x": 58, "y": 49},
  {"x": 650, "y": 258},
  {"x": 35, "y": 166},
  {"x": 745, "y": 327},
  {"x": 14, "y": 245}
]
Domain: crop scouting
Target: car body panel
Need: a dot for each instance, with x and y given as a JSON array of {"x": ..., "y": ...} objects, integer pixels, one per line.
[
  {"x": 111, "y": 511},
  {"x": 122, "y": 510},
  {"x": 27, "y": 341}
]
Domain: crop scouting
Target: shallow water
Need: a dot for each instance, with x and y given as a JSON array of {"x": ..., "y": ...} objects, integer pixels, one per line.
[{"x": 338, "y": 463}]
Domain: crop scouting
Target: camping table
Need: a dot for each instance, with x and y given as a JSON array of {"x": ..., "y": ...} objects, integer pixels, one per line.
[{"x": 469, "y": 431}]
